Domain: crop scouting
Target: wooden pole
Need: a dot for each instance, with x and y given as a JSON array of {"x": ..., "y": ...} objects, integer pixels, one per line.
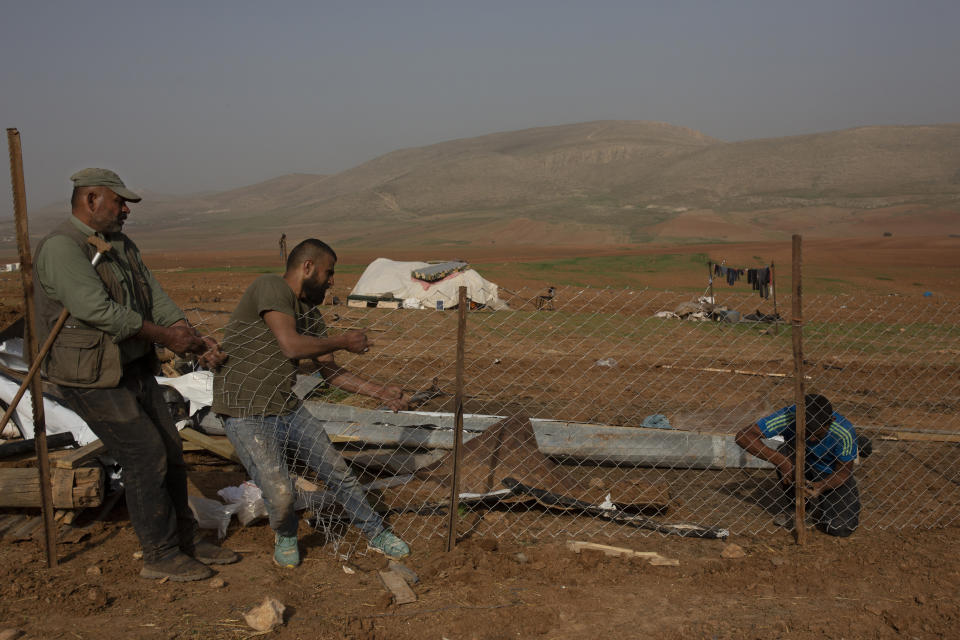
[
  {"x": 30, "y": 341},
  {"x": 799, "y": 479},
  {"x": 773, "y": 287},
  {"x": 458, "y": 420},
  {"x": 710, "y": 280}
]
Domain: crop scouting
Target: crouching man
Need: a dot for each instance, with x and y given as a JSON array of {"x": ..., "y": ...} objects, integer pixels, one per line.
[
  {"x": 831, "y": 448},
  {"x": 275, "y": 325}
]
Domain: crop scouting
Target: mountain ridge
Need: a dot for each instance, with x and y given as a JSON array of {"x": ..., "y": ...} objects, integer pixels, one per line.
[{"x": 612, "y": 181}]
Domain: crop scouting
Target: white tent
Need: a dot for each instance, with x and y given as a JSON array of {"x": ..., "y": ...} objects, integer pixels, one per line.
[{"x": 384, "y": 278}]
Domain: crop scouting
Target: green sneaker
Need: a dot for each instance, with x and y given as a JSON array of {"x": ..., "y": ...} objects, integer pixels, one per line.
[
  {"x": 286, "y": 551},
  {"x": 389, "y": 545}
]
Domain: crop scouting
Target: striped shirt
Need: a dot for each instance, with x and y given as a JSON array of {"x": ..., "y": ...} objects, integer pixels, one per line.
[{"x": 839, "y": 445}]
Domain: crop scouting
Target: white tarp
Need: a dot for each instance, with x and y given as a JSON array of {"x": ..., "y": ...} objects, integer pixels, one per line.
[
  {"x": 57, "y": 418},
  {"x": 383, "y": 278}
]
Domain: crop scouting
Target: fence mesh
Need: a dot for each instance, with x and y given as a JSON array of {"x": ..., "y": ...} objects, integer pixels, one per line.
[{"x": 589, "y": 378}]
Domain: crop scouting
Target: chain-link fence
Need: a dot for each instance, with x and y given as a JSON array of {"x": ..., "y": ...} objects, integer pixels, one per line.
[{"x": 601, "y": 410}]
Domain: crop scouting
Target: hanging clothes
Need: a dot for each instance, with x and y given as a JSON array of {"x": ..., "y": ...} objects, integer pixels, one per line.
[
  {"x": 733, "y": 274},
  {"x": 760, "y": 279}
]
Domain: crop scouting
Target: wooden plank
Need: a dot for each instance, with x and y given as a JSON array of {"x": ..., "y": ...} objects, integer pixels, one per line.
[
  {"x": 11, "y": 521},
  {"x": 907, "y": 436},
  {"x": 394, "y": 582},
  {"x": 214, "y": 444},
  {"x": 76, "y": 457},
  {"x": 25, "y": 530},
  {"x": 652, "y": 557}
]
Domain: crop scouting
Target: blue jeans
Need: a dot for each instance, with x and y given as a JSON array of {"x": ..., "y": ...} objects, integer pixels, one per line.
[{"x": 263, "y": 444}]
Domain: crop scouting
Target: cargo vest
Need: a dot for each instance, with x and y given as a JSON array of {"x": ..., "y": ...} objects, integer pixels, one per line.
[{"x": 82, "y": 355}]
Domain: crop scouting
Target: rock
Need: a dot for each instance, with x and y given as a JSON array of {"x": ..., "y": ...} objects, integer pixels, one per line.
[
  {"x": 920, "y": 599},
  {"x": 875, "y": 610},
  {"x": 94, "y": 571},
  {"x": 97, "y": 596},
  {"x": 138, "y": 555},
  {"x": 265, "y": 616},
  {"x": 777, "y": 561},
  {"x": 217, "y": 583},
  {"x": 10, "y": 634},
  {"x": 732, "y": 551},
  {"x": 521, "y": 557}
]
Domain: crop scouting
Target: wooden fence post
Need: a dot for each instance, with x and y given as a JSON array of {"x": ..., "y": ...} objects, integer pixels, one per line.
[
  {"x": 30, "y": 341},
  {"x": 799, "y": 479},
  {"x": 458, "y": 420}
]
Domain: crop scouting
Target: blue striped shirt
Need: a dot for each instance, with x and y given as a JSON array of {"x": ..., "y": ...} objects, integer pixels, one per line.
[{"x": 840, "y": 443}]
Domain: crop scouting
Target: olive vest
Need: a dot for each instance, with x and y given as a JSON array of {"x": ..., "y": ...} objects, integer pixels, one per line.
[{"x": 82, "y": 355}]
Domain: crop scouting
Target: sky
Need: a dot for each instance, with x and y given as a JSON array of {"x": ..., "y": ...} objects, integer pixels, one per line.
[{"x": 183, "y": 97}]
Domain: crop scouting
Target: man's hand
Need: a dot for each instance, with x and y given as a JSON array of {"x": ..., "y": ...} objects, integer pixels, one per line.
[
  {"x": 355, "y": 341},
  {"x": 394, "y": 397},
  {"x": 213, "y": 357},
  {"x": 183, "y": 339},
  {"x": 813, "y": 489},
  {"x": 786, "y": 471}
]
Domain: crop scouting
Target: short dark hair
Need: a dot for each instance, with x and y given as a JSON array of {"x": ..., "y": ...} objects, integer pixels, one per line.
[
  {"x": 309, "y": 249},
  {"x": 77, "y": 197},
  {"x": 819, "y": 411}
]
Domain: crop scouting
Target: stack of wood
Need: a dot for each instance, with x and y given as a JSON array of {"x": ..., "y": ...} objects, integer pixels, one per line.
[{"x": 77, "y": 480}]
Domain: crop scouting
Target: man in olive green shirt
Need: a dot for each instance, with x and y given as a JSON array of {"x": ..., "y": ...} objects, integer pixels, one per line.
[
  {"x": 104, "y": 363},
  {"x": 276, "y": 323}
]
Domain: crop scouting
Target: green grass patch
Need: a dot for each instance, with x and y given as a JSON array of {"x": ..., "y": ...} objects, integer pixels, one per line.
[{"x": 615, "y": 271}]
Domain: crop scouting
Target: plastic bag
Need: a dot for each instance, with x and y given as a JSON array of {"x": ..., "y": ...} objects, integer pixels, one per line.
[
  {"x": 211, "y": 514},
  {"x": 249, "y": 501}
]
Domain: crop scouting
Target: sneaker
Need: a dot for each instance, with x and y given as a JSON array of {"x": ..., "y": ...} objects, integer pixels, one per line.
[
  {"x": 209, "y": 553},
  {"x": 286, "y": 551},
  {"x": 389, "y": 545},
  {"x": 177, "y": 567}
]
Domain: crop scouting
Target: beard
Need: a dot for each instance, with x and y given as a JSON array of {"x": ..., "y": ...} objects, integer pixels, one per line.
[{"x": 313, "y": 292}]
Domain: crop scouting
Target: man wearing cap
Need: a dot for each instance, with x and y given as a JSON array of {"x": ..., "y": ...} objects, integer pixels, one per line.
[
  {"x": 831, "y": 449},
  {"x": 104, "y": 363}
]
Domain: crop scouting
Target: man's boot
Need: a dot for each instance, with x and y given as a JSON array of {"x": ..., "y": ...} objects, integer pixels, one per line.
[
  {"x": 209, "y": 553},
  {"x": 177, "y": 567},
  {"x": 193, "y": 544}
]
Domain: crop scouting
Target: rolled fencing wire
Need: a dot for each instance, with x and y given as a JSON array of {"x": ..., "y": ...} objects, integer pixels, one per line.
[
  {"x": 587, "y": 374},
  {"x": 587, "y": 386},
  {"x": 890, "y": 364}
]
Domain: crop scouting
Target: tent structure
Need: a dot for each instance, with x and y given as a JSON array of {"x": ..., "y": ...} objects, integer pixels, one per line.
[{"x": 385, "y": 278}]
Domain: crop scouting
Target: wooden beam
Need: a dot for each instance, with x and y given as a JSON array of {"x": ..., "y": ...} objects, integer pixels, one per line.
[
  {"x": 77, "y": 457},
  {"x": 17, "y": 447},
  {"x": 71, "y": 488},
  {"x": 214, "y": 444}
]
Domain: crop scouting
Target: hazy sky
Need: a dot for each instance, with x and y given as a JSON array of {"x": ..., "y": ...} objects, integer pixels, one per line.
[{"x": 187, "y": 96}]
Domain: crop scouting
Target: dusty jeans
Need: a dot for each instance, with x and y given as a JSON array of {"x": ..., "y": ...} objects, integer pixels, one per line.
[
  {"x": 264, "y": 443},
  {"x": 134, "y": 423}
]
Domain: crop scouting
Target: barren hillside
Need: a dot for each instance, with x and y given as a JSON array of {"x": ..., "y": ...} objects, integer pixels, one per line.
[{"x": 599, "y": 183}]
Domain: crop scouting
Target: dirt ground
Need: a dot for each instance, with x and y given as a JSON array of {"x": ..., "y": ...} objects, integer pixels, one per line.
[
  {"x": 879, "y": 583},
  {"x": 884, "y": 584}
]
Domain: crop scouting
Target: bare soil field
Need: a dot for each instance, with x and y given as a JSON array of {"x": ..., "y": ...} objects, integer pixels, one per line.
[{"x": 883, "y": 582}]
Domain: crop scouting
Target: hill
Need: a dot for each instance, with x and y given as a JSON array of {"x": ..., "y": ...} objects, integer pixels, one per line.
[{"x": 597, "y": 183}]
